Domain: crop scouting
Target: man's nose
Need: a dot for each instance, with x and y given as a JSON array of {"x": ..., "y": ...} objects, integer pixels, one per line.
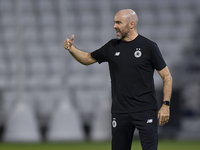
[{"x": 114, "y": 26}]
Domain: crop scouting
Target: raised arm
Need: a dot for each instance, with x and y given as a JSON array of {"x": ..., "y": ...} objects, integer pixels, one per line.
[
  {"x": 81, "y": 56},
  {"x": 164, "y": 112}
]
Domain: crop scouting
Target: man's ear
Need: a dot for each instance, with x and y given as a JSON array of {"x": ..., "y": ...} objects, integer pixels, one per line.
[{"x": 132, "y": 24}]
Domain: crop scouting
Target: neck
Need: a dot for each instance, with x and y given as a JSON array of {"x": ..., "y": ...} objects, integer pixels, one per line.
[{"x": 130, "y": 37}]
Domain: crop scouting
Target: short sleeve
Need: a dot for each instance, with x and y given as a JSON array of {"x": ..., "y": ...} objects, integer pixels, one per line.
[
  {"x": 156, "y": 58},
  {"x": 100, "y": 55}
]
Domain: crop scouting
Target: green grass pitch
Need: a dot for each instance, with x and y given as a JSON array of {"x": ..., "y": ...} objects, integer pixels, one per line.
[{"x": 163, "y": 145}]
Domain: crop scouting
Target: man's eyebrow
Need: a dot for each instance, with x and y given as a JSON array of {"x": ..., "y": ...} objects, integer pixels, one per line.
[{"x": 117, "y": 21}]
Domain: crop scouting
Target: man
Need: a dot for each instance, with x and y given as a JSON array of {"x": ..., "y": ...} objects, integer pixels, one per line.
[{"x": 132, "y": 60}]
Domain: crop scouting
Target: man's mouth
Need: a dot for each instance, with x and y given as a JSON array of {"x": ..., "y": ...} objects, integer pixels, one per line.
[{"x": 118, "y": 32}]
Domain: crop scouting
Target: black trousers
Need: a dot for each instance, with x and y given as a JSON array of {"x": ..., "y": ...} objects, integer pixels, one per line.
[{"x": 124, "y": 125}]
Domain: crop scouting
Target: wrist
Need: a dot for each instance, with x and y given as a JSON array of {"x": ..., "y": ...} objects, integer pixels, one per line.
[
  {"x": 166, "y": 103},
  {"x": 71, "y": 49}
]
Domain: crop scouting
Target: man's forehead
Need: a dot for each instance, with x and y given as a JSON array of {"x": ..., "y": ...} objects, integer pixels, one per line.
[
  {"x": 119, "y": 17},
  {"x": 121, "y": 14}
]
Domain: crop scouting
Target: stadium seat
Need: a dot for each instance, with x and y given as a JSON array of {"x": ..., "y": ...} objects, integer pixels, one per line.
[
  {"x": 21, "y": 125},
  {"x": 65, "y": 123},
  {"x": 45, "y": 5},
  {"x": 101, "y": 125},
  {"x": 6, "y": 5},
  {"x": 7, "y": 20}
]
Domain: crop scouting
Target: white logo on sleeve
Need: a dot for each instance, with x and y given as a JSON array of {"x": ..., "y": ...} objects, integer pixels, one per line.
[
  {"x": 117, "y": 53},
  {"x": 114, "y": 123},
  {"x": 138, "y": 53},
  {"x": 150, "y": 121}
]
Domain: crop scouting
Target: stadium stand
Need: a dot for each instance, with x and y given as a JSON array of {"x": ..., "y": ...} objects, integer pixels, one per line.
[{"x": 34, "y": 63}]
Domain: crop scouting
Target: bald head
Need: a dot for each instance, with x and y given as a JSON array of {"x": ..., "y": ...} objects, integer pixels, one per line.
[
  {"x": 125, "y": 24},
  {"x": 129, "y": 15}
]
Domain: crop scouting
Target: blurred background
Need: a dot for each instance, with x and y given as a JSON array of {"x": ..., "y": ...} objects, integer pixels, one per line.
[{"x": 46, "y": 95}]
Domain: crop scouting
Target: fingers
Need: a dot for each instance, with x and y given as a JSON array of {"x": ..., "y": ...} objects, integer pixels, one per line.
[
  {"x": 163, "y": 120},
  {"x": 68, "y": 43},
  {"x": 158, "y": 116},
  {"x": 163, "y": 115}
]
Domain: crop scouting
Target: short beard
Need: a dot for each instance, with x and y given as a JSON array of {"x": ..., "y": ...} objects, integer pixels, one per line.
[{"x": 123, "y": 35}]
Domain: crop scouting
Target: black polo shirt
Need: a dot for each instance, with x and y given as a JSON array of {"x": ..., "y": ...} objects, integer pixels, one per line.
[{"x": 131, "y": 66}]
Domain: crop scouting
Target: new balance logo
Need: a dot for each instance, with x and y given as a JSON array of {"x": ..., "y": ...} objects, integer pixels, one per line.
[
  {"x": 117, "y": 53},
  {"x": 149, "y": 120}
]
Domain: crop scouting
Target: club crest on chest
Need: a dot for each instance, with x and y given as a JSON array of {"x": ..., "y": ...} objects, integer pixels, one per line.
[{"x": 138, "y": 53}]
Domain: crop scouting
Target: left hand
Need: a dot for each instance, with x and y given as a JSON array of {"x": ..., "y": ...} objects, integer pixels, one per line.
[{"x": 163, "y": 115}]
